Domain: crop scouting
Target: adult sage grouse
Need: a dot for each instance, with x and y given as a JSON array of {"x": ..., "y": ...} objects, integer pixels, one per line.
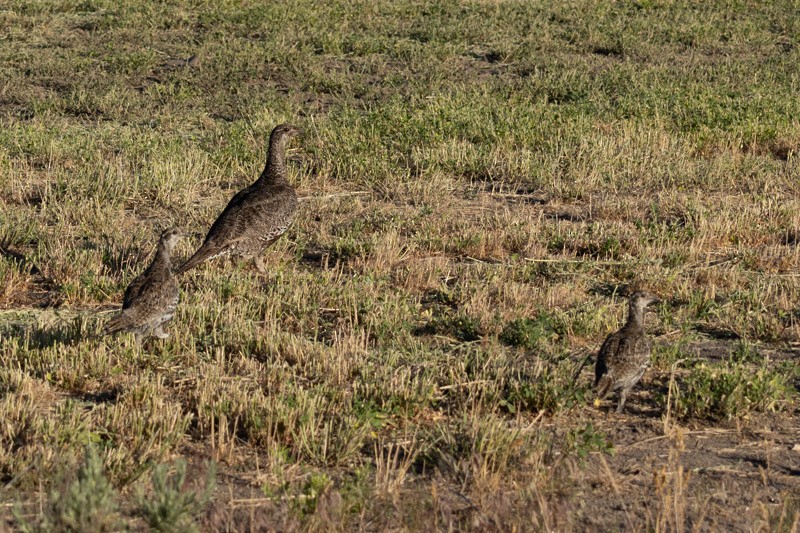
[
  {"x": 151, "y": 299},
  {"x": 625, "y": 355},
  {"x": 256, "y": 216}
]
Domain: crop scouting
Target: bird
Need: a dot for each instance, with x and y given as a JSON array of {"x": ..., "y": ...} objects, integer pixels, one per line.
[
  {"x": 152, "y": 297},
  {"x": 257, "y": 215},
  {"x": 625, "y": 354},
  {"x": 176, "y": 63}
]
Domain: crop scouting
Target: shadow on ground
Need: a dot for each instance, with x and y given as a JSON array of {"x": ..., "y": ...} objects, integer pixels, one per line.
[{"x": 39, "y": 329}]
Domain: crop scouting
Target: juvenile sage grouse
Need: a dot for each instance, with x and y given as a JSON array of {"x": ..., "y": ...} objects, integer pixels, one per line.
[
  {"x": 256, "y": 216},
  {"x": 625, "y": 355},
  {"x": 151, "y": 299}
]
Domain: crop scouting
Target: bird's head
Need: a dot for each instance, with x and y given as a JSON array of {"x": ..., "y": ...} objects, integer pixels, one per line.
[
  {"x": 284, "y": 131},
  {"x": 170, "y": 237},
  {"x": 640, "y": 300}
]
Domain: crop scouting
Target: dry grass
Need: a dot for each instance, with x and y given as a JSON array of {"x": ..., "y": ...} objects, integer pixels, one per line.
[{"x": 483, "y": 182}]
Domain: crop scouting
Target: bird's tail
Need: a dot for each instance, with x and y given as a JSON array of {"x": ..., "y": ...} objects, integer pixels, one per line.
[
  {"x": 115, "y": 325},
  {"x": 192, "y": 262},
  {"x": 603, "y": 386}
]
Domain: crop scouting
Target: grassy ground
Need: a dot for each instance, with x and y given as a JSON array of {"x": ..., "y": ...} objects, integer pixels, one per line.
[{"x": 483, "y": 182}]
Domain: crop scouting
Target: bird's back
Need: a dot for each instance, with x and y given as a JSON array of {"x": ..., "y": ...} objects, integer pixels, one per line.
[
  {"x": 253, "y": 218},
  {"x": 259, "y": 214},
  {"x": 622, "y": 358},
  {"x": 151, "y": 298}
]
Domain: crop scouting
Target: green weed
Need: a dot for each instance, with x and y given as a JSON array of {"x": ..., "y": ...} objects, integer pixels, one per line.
[
  {"x": 88, "y": 503},
  {"x": 587, "y": 439},
  {"x": 730, "y": 390},
  {"x": 552, "y": 390},
  {"x": 530, "y": 333},
  {"x": 171, "y": 506}
]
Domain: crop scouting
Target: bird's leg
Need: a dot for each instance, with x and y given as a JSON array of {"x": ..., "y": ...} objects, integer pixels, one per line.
[
  {"x": 259, "y": 264},
  {"x": 159, "y": 332},
  {"x": 623, "y": 394},
  {"x": 137, "y": 339}
]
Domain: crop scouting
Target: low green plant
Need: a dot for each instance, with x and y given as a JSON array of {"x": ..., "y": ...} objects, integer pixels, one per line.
[
  {"x": 530, "y": 333},
  {"x": 462, "y": 327},
  {"x": 306, "y": 502},
  {"x": 729, "y": 390},
  {"x": 667, "y": 354},
  {"x": 745, "y": 352},
  {"x": 88, "y": 503},
  {"x": 582, "y": 441},
  {"x": 172, "y": 507},
  {"x": 552, "y": 390}
]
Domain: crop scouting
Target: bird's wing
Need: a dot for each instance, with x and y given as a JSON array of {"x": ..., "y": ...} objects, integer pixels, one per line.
[
  {"x": 162, "y": 297},
  {"x": 236, "y": 222},
  {"x": 630, "y": 354},
  {"x": 119, "y": 323},
  {"x": 634, "y": 347},
  {"x": 263, "y": 217},
  {"x": 217, "y": 238},
  {"x": 606, "y": 353},
  {"x": 143, "y": 301},
  {"x": 135, "y": 289},
  {"x": 640, "y": 351},
  {"x": 164, "y": 301}
]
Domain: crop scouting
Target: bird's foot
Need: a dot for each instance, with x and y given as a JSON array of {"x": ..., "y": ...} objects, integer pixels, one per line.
[{"x": 262, "y": 269}]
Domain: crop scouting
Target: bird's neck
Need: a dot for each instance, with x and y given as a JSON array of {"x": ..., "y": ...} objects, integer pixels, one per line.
[
  {"x": 163, "y": 256},
  {"x": 275, "y": 171},
  {"x": 635, "y": 317}
]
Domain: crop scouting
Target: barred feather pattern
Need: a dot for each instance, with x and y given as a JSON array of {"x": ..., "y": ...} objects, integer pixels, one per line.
[
  {"x": 625, "y": 355},
  {"x": 151, "y": 299},
  {"x": 256, "y": 216}
]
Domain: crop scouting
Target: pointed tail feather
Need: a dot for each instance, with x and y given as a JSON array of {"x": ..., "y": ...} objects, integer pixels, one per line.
[
  {"x": 188, "y": 265},
  {"x": 115, "y": 325},
  {"x": 603, "y": 386},
  {"x": 201, "y": 255}
]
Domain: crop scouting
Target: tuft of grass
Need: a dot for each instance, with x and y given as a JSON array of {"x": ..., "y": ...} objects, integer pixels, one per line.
[
  {"x": 478, "y": 450},
  {"x": 730, "y": 390},
  {"x": 308, "y": 498},
  {"x": 552, "y": 388},
  {"x": 530, "y": 333},
  {"x": 88, "y": 503},
  {"x": 459, "y": 326},
  {"x": 171, "y": 506},
  {"x": 584, "y": 440}
]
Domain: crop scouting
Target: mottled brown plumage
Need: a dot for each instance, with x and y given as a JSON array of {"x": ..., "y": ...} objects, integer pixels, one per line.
[
  {"x": 625, "y": 355},
  {"x": 256, "y": 216},
  {"x": 151, "y": 299}
]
